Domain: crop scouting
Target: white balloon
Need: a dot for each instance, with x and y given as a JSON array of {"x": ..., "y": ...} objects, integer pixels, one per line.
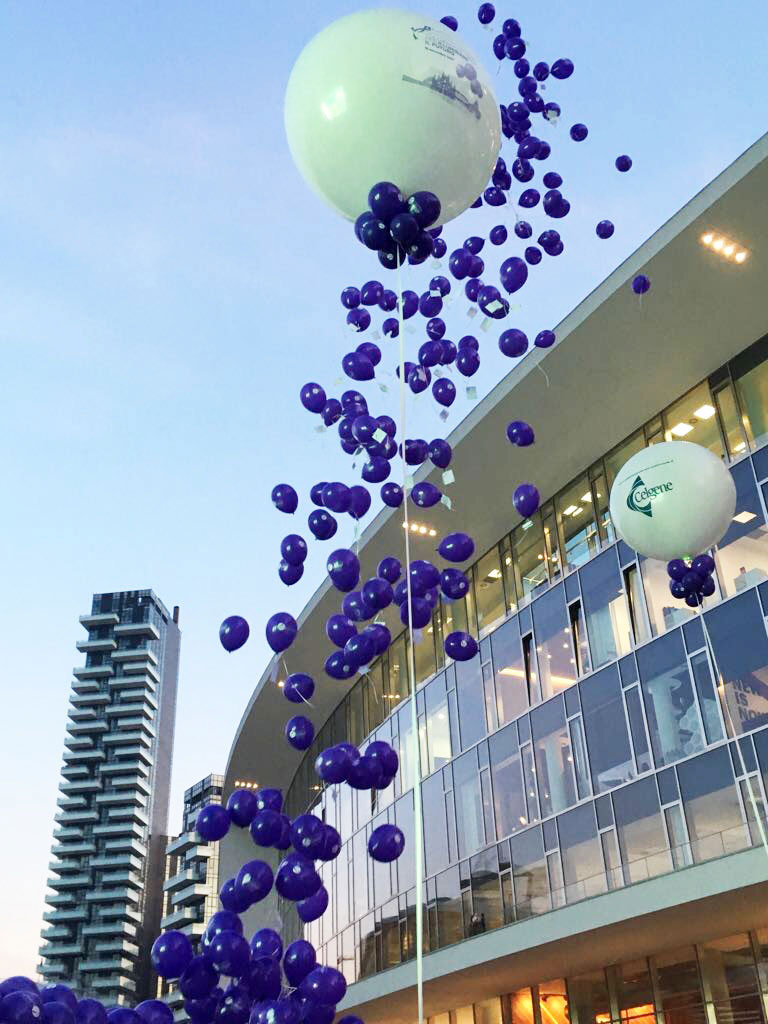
[
  {"x": 672, "y": 500},
  {"x": 376, "y": 97}
]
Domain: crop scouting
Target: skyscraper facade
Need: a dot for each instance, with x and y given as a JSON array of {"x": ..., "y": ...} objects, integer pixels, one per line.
[
  {"x": 105, "y": 902},
  {"x": 190, "y": 889}
]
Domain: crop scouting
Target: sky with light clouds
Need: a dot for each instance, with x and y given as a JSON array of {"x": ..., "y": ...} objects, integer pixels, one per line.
[{"x": 167, "y": 283}]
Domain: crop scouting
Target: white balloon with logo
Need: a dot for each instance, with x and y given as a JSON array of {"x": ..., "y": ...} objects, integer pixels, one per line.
[
  {"x": 672, "y": 500},
  {"x": 388, "y": 95}
]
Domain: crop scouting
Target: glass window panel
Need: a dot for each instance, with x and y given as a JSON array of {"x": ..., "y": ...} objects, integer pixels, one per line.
[
  {"x": 606, "y": 609},
  {"x": 588, "y": 995},
  {"x": 637, "y": 728},
  {"x": 450, "y": 926},
  {"x": 762, "y": 952},
  {"x": 553, "y": 755},
  {"x": 488, "y": 1011},
  {"x": 489, "y": 591},
  {"x": 670, "y": 706},
  {"x": 529, "y": 871},
  {"x": 486, "y": 892},
  {"x": 529, "y": 557},
  {"x": 553, "y": 1002},
  {"x": 438, "y": 725},
  {"x": 435, "y": 831},
  {"x": 705, "y": 688},
  {"x": 557, "y": 665},
  {"x": 576, "y": 522},
  {"x": 601, "y": 496},
  {"x": 737, "y": 632},
  {"x": 521, "y": 1007},
  {"x": 469, "y": 690},
  {"x": 580, "y": 762},
  {"x": 511, "y": 688},
  {"x": 663, "y": 610},
  {"x": 642, "y": 841},
  {"x": 406, "y": 866},
  {"x": 581, "y": 854},
  {"x": 367, "y": 947},
  {"x": 677, "y": 977},
  {"x": 508, "y": 795},
  {"x": 680, "y": 848},
  {"x": 398, "y": 674},
  {"x": 730, "y": 421},
  {"x": 634, "y": 993},
  {"x": 711, "y": 805},
  {"x": 693, "y": 418},
  {"x": 579, "y": 636},
  {"x": 377, "y": 705},
  {"x": 390, "y": 935},
  {"x": 405, "y": 748},
  {"x": 551, "y": 542},
  {"x": 750, "y": 375},
  {"x": 610, "y": 755},
  {"x": 742, "y": 554},
  {"x": 728, "y": 965},
  {"x": 464, "y": 1015},
  {"x": 615, "y": 460},
  {"x": 469, "y": 808},
  {"x": 529, "y": 782},
  {"x": 424, "y": 662}
]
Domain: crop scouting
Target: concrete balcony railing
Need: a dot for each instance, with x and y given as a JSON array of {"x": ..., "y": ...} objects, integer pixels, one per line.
[
  {"x": 72, "y": 914},
  {"x": 143, "y": 668},
  {"x": 137, "y": 629},
  {"x": 110, "y": 930},
  {"x": 124, "y": 768},
  {"x": 81, "y": 786},
  {"x": 69, "y": 882},
  {"x": 91, "y": 695},
  {"x": 64, "y": 850},
  {"x": 84, "y": 756},
  {"x": 83, "y": 672},
  {"x": 127, "y": 843},
  {"x": 182, "y": 843},
  {"x": 135, "y": 654},
  {"x": 51, "y": 950},
  {"x": 99, "y": 619},
  {"x": 91, "y": 646},
  {"x": 110, "y": 895}
]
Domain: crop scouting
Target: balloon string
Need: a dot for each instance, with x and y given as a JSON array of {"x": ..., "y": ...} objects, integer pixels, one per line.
[
  {"x": 540, "y": 367},
  {"x": 418, "y": 837},
  {"x": 730, "y": 723}
]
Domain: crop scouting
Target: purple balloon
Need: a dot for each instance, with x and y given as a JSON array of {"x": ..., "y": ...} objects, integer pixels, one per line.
[
  {"x": 514, "y": 273},
  {"x": 456, "y": 547},
  {"x": 604, "y": 229},
  {"x": 299, "y": 732},
  {"x": 312, "y": 397},
  {"x": 233, "y": 632},
  {"x": 266, "y": 826},
  {"x": 350, "y": 297},
  {"x": 359, "y": 501},
  {"x": 467, "y": 362},
  {"x": 255, "y": 878},
  {"x": 300, "y": 958},
  {"x": 453, "y": 583},
  {"x": 420, "y": 613},
  {"x": 377, "y": 593},
  {"x": 641, "y": 284},
  {"x": 171, "y": 953},
  {"x": 199, "y": 977},
  {"x": 460, "y": 646},
  {"x": 356, "y": 365},
  {"x": 532, "y": 255},
  {"x": 545, "y": 339},
  {"x": 289, "y": 574},
  {"x": 285, "y": 498},
  {"x": 440, "y": 453},
  {"x": 623, "y": 163},
  {"x": 242, "y": 806},
  {"x": 520, "y": 433},
  {"x": 526, "y": 499},
  {"x": 232, "y": 899},
  {"x": 333, "y": 763},
  {"x": 389, "y": 569},
  {"x": 449, "y": 352},
  {"x": 296, "y": 878},
  {"x": 498, "y": 235},
  {"x": 425, "y": 494},
  {"x": 330, "y": 844},
  {"x": 339, "y": 628},
  {"x": 270, "y": 799},
  {"x": 386, "y": 843},
  {"x": 513, "y": 343},
  {"x": 385, "y": 754},
  {"x": 523, "y": 229},
  {"x": 212, "y": 823},
  {"x": 444, "y": 391},
  {"x": 379, "y": 635},
  {"x": 392, "y": 495},
  {"x": 293, "y": 548},
  {"x": 322, "y": 524},
  {"x": 562, "y": 68},
  {"x": 338, "y": 666},
  {"x": 280, "y": 631},
  {"x": 314, "y": 906},
  {"x": 325, "y": 985},
  {"x": 344, "y": 569},
  {"x": 336, "y": 497}
]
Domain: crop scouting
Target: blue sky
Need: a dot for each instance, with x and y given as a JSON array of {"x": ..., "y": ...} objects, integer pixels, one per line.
[{"x": 168, "y": 282}]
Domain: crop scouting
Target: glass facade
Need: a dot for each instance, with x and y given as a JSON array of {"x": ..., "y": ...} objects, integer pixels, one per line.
[{"x": 590, "y": 745}]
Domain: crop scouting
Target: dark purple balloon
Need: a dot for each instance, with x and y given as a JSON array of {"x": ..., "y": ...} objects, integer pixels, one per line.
[
  {"x": 498, "y": 235},
  {"x": 523, "y": 229},
  {"x": 420, "y": 613},
  {"x": 513, "y": 343},
  {"x": 453, "y": 583},
  {"x": 389, "y": 569},
  {"x": 386, "y": 843},
  {"x": 359, "y": 501},
  {"x": 460, "y": 646},
  {"x": 212, "y": 823},
  {"x": 339, "y": 628},
  {"x": 641, "y": 284},
  {"x": 358, "y": 366},
  {"x": 425, "y": 494},
  {"x": 322, "y": 524},
  {"x": 468, "y": 362},
  {"x": 233, "y": 632},
  {"x": 378, "y": 593},
  {"x": 623, "y": 163},
  {"x": 604, "y": 229},
  {"x": 440, "y": 453},
  {"x": 285, "y": 498},
  {"x": 520, "y": 433},
  {"x": 331, "y": 412},
  {"x": 293, "y": 548},
  {"x": 532, "y": 255},
  {"x": 255, "y": 878},
  {"x": 456, "y": 547},
  {"x": 172, "y": 953},
  {"x": 579, "y": 132},
  {"x": 514, "y": 273},
  {"x": 392, "y": 495},
  {"x": 312, "y": 397},
  {"x": 562, "y": 68},
  {"x": 314, "y": 906},
  {"x": 266, "y": 826},
  {"x": 350, "y": 297},
  {"x": 376, "y": 469},
  {"x": 526, "y": 499},
  {"x": 299, "y": 732},
  {"x": 379, "y": 636},
  {"x": 545, "y": 339},
  {"x": 444, "y": 391},
  {"x": 425, "y": 207},
  {"x": 296, "y": 878},
  {"x": 281, "y": 631},
  {"x": 337, "y": 666},
  {"x": 241, "y": 807}
]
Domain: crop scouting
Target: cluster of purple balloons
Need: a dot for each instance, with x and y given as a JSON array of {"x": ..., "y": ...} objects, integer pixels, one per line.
[
  {"x": 397, "y": 227},
  {"x": 693, "y": 581},
  {"x": 23, "y": 1001}
]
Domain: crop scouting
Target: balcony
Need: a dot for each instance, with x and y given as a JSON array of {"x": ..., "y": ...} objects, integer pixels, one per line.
[
  {"x": 127, "y": 654},
  {"x": 77, "y": 817},
  {"x": 71, "y": 803},
  {"x": 83, "y": 715},
  {"x": 77, "y": 743},
  {"x": 182, "y": 843},
  {"x": 136, "y": 725},
  {"x": 136, "y": 668},
  {"x": 111, "y": 895},
  {"x": 123, "y": 860},
  {"x": 54, "y": 971},
  {"x": 124, "y": 877},
  {"x": 180, "y": 918},
  {"x": 181, "y": 879},
  {"x": 90, "y": 696},
  {"x": 72, "y": 849},
  {"x": 123, "y": 768},
  {"x": 122, "y": 799},
  {"x": 137, "y": 629},
  {"x": 127, "y": 813},
  {"x": 63, "y": 899},
  {"x": 80, "y": 786},
  {"x": 57, "y": 932},
  {"x": 87, "y": 728},
  {"x": 127, "y": 828},
  {"x": 91, "y": 646},
  {"x": 62, "y": 867},
  {"x": 73, "y": 914},
  {"x": 117, "y": 946},
  {"x": 192, "y": 895},
  {"x": 132, "y": 845},
  {"x": 52, "y": 950},
  {"x": 137, "y": 782},
  {"x": 67, "y": 833},
  {"x": 78, "y": 756},
  {"x": 85, "y": 672},
  {"x": 114, "y": 983},
  {"x": 110, "y": 964},
  {"x": 69, "y": 882},
  {"x": 120, "y": 912},
  {"x": 133, "y": 708},
  {"x": 99, "y": 619},
  {"x": 110, "y": 930},
  {"x": 74, "y": 771},
  {"x": 85, "y": 686}
]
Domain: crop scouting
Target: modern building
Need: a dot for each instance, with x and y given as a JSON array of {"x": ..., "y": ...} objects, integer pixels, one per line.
[
  {"x": 594, "y": 783},
  {"x": 190, "y": 889},
  {"x": 111, "y": 830}
]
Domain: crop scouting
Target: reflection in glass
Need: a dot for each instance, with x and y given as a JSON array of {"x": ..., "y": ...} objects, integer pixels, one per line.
[
  {"x": 634, "y": 993},
  {"x": 664, "y": 611},
  {"x": 589, "y": 999},
  {"x": 730, "y": 421},
  {"x": 750, "y": 375},
  {"x": 529, "y": 782},
  {"x": 637, "y": 728},
  {"x": 450, "y": 926},
  {"x": 581, "y": 853},
  {"x": 615, "y": 460},
  {"x": 521, "y": 1006},
  {"x": 711, "y": 805},
  {"x": 670, "y": 706},
  {"x": 576, "y": 523},
  {"x": 640, "y": 829},
  {"x": 606, "y": 609},
  {"x": 553, "y": 1002},
  {"x": 740, "y": 644},
  {"x": 529, "y": 557},
  {"x": 487, "y": 911},
  {"x": 488, "y": 1011},
  {"x": 469, "y": 808},
  {"x": 435, "y": 831},
  {"x": 489, "y": 591},
  {"x": 679, "y": 988},
  {"x": 702, "y": 677},
  {"x": 529, "y": 872},
  {"x": 557, "y": 665},
  {"x": 507, "y": 655},
  {"x": 610, "y": 755},
  {"x": 424, "y": 661},
  {"x": 469, "y": 691},
  {"x": 438, "y": 726},
  {"x": 508, "y": 796},
  {"x": 692, "y": 418},
  {"x": 729, "y": 968},
  {"x": 554, "y": 761}
]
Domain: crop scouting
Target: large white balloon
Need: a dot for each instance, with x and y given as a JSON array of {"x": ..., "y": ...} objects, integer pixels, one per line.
[
  {"x": 672, "y": 499},
  {"x": 376, "y": 96}
]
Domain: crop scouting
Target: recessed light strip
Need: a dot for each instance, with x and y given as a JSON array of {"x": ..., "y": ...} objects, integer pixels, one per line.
[{"x": 723, "y": 246}]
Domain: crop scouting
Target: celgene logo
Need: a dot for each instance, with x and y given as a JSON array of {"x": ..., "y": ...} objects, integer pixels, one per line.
[{"x": 640, "y": 496}]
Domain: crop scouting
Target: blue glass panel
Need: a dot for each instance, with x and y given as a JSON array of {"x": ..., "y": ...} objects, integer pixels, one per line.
[
  {"x": 554, "y": 760},
  {"x": 610, "y": 755},
  {"x": 670, "y": 706},
  {"x": 737, "y": 632}
]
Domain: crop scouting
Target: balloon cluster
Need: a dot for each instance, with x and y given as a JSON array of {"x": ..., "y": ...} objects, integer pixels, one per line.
[
  {"x": 691, "y": 581},
  {"x": 396, "y": 226},
  {"x": 23, "y": 1001}
]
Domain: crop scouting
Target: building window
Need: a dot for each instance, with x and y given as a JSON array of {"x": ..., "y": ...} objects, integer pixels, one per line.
[
  {"x": 450, "y": 924},
  {"x": 557, "y": 665},
  {"x": 508, "y": 795},
  {"x": 469, "y": 691},
  {"x": 435, "y": 827},
  {"x": 750, "y": 375},
  {"x": 670, "y": 706},
  {"x": 579, "y": 638},
  {"x": 469, "y": 808},
  {"x": 642, "y": 841},
  {"x": 437, "y": 726},
  {"x": 693, "y": 418},
  {"x": 589, "y": 999},
  {"x": 615, "y": 460},
  {"x": 665, "y": 611},
  {"x": 511, "y": 688},
  {"x": 553, "y": 1002},
  {"x": 728, "y": 966},
  {"x": 634, "y": 993},
  {"x": 610, "y": 754},
  {"x": 606, "y": 609},
  {"x": 487, "y": 912},
  {"x": 554, "y": 760},
  {"x": 581, "y": 854},
  {"x": 678, "y": 986},
  {"x": 742, "y": 554},
  {"x": 529, "y": 873},
  {"x": 637, "y": 614},
  {"x": 711, "y": 805},
  {"x": 576, "y": 524},
  {"x": 738, "y": 637},
  {"x": 529, "y": 557},
  {"x": 489, "y": 591},
  {"x": 730, "y": 421}
]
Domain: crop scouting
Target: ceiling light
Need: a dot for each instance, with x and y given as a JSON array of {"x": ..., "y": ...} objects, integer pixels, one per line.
[
  {"x": 744, "y": 517},
  {"x": 681, "y": 429},
  {"x": 739, "y": 447},
  {"x": 586, "y": 497},
  {"x": 569, "y": 511},
  {"x": 494, "y": 574},
  {"x": 708, "y": 238},
  {"x": 578, "y": 511},
  {"x": 281, "y": 684},
  {"x": 726, "y": 247},
  {"x": 718, "y": 244},
  {"x": 433, "y": 533},
  {"x": 422, "y": 529},
  {"x": 740, "y": 257},
  {"x": 704, "y": 412}
]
